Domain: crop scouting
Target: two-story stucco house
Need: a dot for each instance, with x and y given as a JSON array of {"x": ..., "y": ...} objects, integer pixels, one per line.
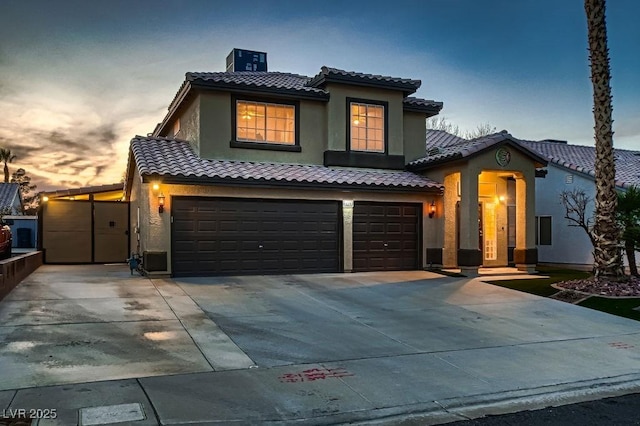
[{"x": 257, "y": 172}]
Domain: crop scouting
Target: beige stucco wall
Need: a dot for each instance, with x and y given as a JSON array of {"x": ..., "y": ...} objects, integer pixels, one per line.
[
  {"x": 215, "y": 109},
  {"x": 155, "y": 228},
  {"x": 190, "y": 125},
  {"x": 415, "y": 135},
  {"x": 337, "y": 114}
]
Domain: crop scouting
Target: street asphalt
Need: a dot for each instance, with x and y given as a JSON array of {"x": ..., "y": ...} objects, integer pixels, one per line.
[{"x": 94, "y": 345}]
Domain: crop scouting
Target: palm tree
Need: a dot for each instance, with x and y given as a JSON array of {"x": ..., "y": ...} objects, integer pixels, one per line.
[
  {"x": 629, "y": 217},
  {"x": 607, "y": 256},
  {"x": 6, "y": 157}
]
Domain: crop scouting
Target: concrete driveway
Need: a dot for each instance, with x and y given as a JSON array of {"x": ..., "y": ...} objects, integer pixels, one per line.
[
  {"x": 316, "y": 348},
  {"x": 82, "y": 323}
]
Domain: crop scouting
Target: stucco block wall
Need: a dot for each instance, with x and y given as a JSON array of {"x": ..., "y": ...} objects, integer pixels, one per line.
[
  {"x": 155, "y": 228},
  {"x": 337, "y": 115}
]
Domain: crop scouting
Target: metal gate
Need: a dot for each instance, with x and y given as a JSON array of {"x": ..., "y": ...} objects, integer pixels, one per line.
[{"x": 84, "y": 231}]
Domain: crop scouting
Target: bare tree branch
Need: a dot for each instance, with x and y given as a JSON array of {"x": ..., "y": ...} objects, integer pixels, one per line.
[{"x": 576, "y": 205}]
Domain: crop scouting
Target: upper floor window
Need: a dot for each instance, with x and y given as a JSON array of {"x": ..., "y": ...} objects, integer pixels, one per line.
[
  {"x": 265, "y": 122},
  {"x": 367, "y": 126}
]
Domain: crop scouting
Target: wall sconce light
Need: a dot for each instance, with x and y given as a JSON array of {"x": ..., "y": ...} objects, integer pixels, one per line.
[
  {"x": 432, "y": 209},
  {"x": 155, "y": 186},
  {"x": 160, "y": 202},
  {"x": 45, "y": 199}
]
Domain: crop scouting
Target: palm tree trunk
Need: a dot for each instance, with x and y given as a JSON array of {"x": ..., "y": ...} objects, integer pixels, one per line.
[
  {"x": 6, "y": 173},
  {"x": 607, "y": 256},
  {"x": 630, "y": 249}
]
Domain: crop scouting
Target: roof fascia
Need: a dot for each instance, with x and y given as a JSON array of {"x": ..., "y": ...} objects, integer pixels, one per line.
[
  {"x": 271, "y": 91},
  {"x": 406, "y": 88},
  {"x": 429, "y": 110}
]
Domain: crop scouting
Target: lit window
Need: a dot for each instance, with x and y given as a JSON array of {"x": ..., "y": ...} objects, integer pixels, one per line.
[
  {"x": 265, "y": 122},
  {"x": 367, "y": 127}
]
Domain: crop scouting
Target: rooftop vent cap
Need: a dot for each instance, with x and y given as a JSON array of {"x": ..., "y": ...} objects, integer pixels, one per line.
[
  {"x": 246, "y": 60},
  {"x": 433, "y": 151}
]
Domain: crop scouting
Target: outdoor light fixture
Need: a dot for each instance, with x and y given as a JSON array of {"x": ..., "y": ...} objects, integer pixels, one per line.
[
  {"x": 45, "y": 199},
  {"x": 160, "y": 202},
  {"x": 432, "y": 209},
  {"x": 156, "y": 186}
]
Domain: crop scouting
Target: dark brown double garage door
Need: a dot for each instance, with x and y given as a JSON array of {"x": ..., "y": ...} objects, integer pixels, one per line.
[{"x": 222, "y": 236}]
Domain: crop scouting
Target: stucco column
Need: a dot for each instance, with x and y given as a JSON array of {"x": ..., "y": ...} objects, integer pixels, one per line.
[
  {"x": 469, "y": 254},
  {"x": 347, "y": 234},
  {"x": 156, "y": 227},
  {"x": 432, "y": 226},
  {"x": 525, "y": 254},
  {"x": 450, "y": 246}
]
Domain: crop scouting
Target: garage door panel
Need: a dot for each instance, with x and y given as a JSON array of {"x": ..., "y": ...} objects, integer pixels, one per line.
[
  {"x": 394, "y": 211},
  {"x": 247, "y": 236},
  {"x": 359, "y": 227}
]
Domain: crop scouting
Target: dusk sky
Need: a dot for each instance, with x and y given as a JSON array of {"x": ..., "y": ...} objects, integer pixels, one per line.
[{"x": 79, "y": 79}]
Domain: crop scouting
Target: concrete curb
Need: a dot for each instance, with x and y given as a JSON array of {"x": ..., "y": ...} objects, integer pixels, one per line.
[{"x": 470, "y": 407}]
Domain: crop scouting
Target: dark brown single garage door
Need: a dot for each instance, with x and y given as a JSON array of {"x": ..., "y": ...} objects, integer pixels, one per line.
[
  {"x": 386, "y": 236},
  {"x": 222, "y": 236}
]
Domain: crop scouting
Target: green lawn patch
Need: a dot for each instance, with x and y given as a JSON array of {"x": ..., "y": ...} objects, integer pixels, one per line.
[
  {"x": 542, "y": 286},
  {"x": 619, "y": 307}
]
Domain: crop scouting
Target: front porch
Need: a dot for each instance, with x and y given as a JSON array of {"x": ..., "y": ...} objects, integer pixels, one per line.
[{"x": 487, "y": 211}]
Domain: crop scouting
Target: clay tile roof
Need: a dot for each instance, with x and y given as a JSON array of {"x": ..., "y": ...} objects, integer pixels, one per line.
[
  {"x": 442, "y": 148},
  {"x": 328, "y": 74},
  {"x": 174, "y": 158},
  {"x": 582, "y": 159},
  {"x": 417, "y": 104},
  {"x": 440, "y": 138},
  {"x": 279, "y": 81}
]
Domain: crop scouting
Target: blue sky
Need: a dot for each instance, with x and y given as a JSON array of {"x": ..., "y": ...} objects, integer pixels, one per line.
[{"x": 79, "y": 79}]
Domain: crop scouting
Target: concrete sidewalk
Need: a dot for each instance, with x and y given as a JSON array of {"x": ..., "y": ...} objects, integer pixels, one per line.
[{"x": 475, "y": 349}]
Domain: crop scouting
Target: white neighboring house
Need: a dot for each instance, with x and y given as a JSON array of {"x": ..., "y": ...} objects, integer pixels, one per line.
[{"x": 570, "y": 167}]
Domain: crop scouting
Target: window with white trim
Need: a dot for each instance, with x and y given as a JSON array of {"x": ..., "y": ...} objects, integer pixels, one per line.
[
  {"x": 265, "y": 122},
  {"x": 367, "y": 127}
]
